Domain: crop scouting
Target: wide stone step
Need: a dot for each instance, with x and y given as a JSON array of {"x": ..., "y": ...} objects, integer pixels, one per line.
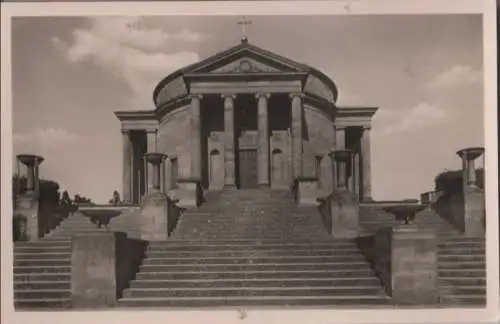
[
  {"x": 273, "y": 282},
  {"x": 463, "y": 265},
  {"x": 462, "y": 251},
  {"x": 41, "y": 269},
  {"x": 254, "y": 291},
  {"x": 459, "y": 300},
  {"x": 464, "y": 245},
  {"x": 471, "y": 273},
  {"x": 256, "y": 267},
  {"x": 44, "y": 277},
  {"x": 463, "y": 290},
  {"x": 244, "y": 275},
  {"x": 42, "y": 285},
  {"x": 39, "y": 294},
  {"x": 252, "y": 260},
  {"x": 333, "y": 254},
  {"x": 44, "y": 243},
  {"x": 350, "y": 249},
  {"x": 461, "y": 258},
  {"x": 42, "y": 262},
  {"x": 30, "y": 255},
  {"x": 462, "y": 281},
  {"x": 257, "y": 301},
  {"x": 28, "y": 304}
]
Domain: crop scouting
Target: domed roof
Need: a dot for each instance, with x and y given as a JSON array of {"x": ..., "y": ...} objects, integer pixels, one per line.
[{"x": 251, "y": 60}]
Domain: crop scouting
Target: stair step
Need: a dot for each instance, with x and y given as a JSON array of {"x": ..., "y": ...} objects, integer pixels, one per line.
[
  {"x": 461, "y": 258},
  {"x": 458, "y": 300},
  {"x": 462, "y": 265},
  {"x": 243, "y": 275},
  {"x": 339, "y": 255},
  {"x": 255, "y": 267},
  {"x": 43, "y": 255},
  {"x": 472, "y": 273},
  {"x": 286, "y": 282},
  {"x": 39, "y": 294},
  {"x": 463, "y": 290},
  {"x": 42, "y": 285},
  {"x": 41, "y": 269},
  {"x": 462, "y": 281},
  {"x": 32, "y": 303},
  {"x": 43, "y": 262},
  {"x": 249, "y": 301},
  {"x": 355, "y": 259},
  {"x": 44, "y": 277},
  {"x": 253, "y": 291}
]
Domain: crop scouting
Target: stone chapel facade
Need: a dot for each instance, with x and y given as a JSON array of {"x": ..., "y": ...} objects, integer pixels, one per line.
[{"x": 245, "y": 118}]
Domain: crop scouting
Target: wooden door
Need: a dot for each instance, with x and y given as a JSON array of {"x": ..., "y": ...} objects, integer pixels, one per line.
[{"x": 248, "y": 169}]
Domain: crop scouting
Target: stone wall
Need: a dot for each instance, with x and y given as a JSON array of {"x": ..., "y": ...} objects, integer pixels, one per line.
[
  {"x": 319, "y": 140},
  {"x": 173, "y": 138}
]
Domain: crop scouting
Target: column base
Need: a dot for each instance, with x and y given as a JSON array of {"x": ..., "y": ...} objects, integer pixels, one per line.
[
  {"x": 474, "y": 212},
  {"x": 345, "y": 215},
  {"x": 28, "y": 217},
  {"x": 154, "y": 217},
  {"x": 306, "y": 191},
  {"x": 190, "y": 193}
]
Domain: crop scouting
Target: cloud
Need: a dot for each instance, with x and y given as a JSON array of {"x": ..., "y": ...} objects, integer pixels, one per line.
[
  {"x": 456, "y": 75},
  {"x": 48, "y": 137},
  {"x": 416, "y": 118},
  {"x": 141, "y": 55}
]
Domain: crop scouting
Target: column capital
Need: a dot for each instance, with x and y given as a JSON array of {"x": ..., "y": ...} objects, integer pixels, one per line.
[
  {"x": 198, "y": 96},
  {"x": 125, "y": 131},
  {"x": 340, "y": 127},
  {"x": 151, "y": 130},
  {"x": 266, "y": 95},
  {"x": 296, "y": 94},
  {"x": 366, "y": 127},
  {"x": 228, "y": 95}
]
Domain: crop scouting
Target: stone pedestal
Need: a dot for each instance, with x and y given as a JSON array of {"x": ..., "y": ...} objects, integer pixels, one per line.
[
  {"x": 307, "y": 191},
  {"x": 190, "y": 193},
  {"x": 27, "y": 209},
  {"x": 474, "y": 212},
  {"x": 93, "y": 270},
  {"x": 474, "y": 203},
  {"x": 344, "y": 213},
  {"x": 406, "y": 261},
  {"x": 154, "y": 217}
]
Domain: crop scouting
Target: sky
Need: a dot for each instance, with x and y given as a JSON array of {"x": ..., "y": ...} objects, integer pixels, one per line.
[{"x": 424, "y": 72}]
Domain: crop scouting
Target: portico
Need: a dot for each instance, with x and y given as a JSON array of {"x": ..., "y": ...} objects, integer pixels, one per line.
[{"x": 245, "y": 118}]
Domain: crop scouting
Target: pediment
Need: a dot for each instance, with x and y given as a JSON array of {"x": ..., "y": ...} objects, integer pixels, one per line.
[{"x": 246, "y": 59}]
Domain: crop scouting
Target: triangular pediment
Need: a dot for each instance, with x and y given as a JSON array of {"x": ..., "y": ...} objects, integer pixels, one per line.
[{"x": 246, "y": 58}]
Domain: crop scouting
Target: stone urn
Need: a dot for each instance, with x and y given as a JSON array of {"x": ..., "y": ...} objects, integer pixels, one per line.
[
  {"x": 100, "y": 215},
  {"x": 405, "y": 213}
]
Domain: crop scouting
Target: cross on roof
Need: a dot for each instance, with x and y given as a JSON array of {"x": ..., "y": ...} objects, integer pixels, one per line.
[{"x": 244, "y": 22}]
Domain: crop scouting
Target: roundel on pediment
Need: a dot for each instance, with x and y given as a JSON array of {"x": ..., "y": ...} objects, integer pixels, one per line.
[{"x": 245, "y": 66}]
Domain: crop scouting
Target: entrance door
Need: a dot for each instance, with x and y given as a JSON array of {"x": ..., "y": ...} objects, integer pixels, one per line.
[{"x": 248, "y": 169}]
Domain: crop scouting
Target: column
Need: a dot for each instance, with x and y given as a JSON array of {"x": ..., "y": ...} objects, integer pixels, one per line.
[
  {"x": 229, "y": 155},
  {"x": 356, "y": 174},
  {"x": 296, "y": 134},
  {"x": 152, "y": 148},
  {"x": 127, "y": 167},
  {"x": 366, "y": 191},
  {"x": 195, "y": 124},
  {"x": 263, "y": 139}
]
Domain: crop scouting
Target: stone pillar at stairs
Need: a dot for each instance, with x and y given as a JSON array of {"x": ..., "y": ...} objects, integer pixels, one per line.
[
  {"x": 26, "y": 212},
  {"x": 263, "y": 140},
  {"x": 229, "y": 154},
  {"x": 474, "y": 203}
]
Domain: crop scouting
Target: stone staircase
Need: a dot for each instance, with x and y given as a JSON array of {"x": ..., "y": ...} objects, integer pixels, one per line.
[
  {"x": 42, "y": 269},
  {"x": 461, "y": 260},
  {"x": 253, "y": 248}
]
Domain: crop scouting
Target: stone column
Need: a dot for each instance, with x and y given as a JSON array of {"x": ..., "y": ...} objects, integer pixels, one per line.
[
  {"x": 263, "y": 139},
  {"x": 341, "y": 160},
  {"x": 297, "y": 127},
  {"x": 195, "y": 123},
  {"x": 127, "y": 167},
  {"x": 356, "y": 175},
  {"x": 468, "y": 156},
  {"x": 366, "y": 191},
  {"x": 229, "y": 154},
  {"x": 152, "y": 148}
]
